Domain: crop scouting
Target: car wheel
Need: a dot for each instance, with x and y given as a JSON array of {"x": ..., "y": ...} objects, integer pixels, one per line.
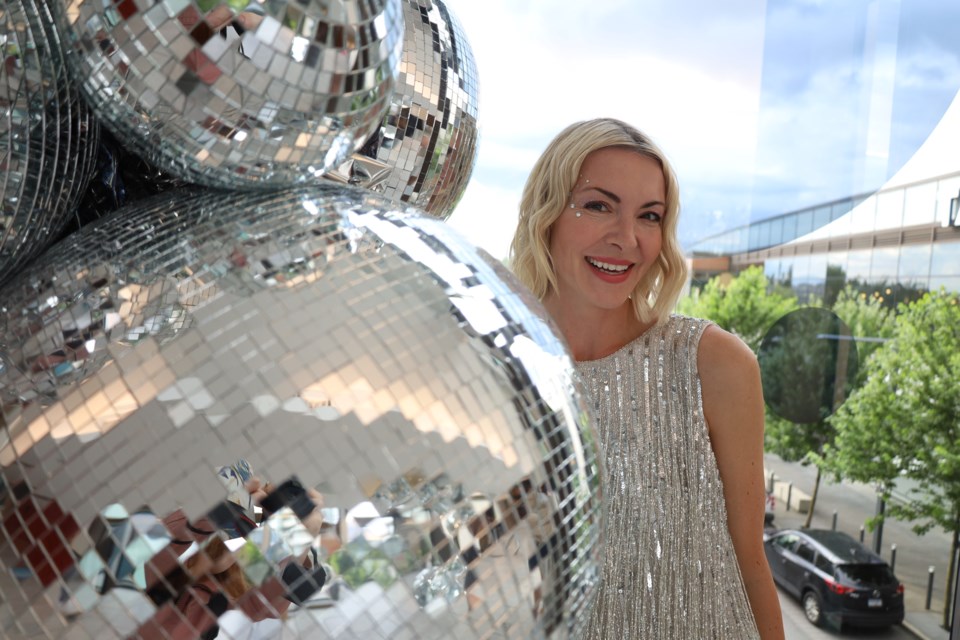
[{"x": 812, "y": 608}]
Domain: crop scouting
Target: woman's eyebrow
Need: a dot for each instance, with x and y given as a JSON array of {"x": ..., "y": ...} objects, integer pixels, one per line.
[
  {"x": 609, "y": 194},
  {"x": 616, "y": 198}
]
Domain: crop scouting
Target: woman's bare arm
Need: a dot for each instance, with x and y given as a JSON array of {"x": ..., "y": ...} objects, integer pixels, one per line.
[{"x": 733, "y": 407}]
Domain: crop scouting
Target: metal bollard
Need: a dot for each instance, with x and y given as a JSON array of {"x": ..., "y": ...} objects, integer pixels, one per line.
[
  {"x": 862, "y": 532},
  {"x": 893, "y": 556},
  {"x": 929, "y": 586},
  {"x": 789, "y": 495},
  {"x": 834, "y": 525}
]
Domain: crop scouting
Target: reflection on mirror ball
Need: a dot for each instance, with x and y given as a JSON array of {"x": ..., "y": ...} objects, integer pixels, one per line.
[
  {"x": 424, "y": 152},
  {"x": 232, "y": 94},
  {"x": 47, "y": 136},
  {"x": 121, "y": 178},
  {"x": 431, "y": 470},
  {"x": 808, "y": 362}
]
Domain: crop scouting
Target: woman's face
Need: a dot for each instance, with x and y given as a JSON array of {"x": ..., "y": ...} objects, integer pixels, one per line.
[{"x": 600, "y": 255}]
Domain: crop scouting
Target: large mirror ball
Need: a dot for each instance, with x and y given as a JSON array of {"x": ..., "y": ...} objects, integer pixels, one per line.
[
  {"x": 424, "y": 151},
  {"x": 236, "y": 94},
  {"x": 48, "y": 136},
  {"x": 303, "y": 413}
]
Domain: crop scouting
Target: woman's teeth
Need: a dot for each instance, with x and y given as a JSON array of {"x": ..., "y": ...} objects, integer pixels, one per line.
[{"x": 605, "y": 266}]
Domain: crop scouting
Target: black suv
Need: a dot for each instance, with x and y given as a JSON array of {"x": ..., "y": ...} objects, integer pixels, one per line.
[{"x": 835, "y": 577}]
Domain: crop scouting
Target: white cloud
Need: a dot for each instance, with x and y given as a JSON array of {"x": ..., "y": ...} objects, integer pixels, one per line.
[{"x": 931, "y": 65}]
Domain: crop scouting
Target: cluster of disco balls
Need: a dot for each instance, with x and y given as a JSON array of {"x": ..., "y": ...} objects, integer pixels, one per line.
[{"x": 251, "y": 384}]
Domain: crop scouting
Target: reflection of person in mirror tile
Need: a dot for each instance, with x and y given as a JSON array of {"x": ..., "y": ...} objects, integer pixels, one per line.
[
  {"x": 677, "y": 402},
  {"x": 197, "y": 578}
]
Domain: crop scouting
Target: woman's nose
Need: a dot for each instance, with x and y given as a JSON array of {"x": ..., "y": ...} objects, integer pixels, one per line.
[{"x": 622, "y": 233}]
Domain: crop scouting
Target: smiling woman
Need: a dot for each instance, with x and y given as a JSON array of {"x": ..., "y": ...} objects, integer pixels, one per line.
[
  {"x": 604, "y": 251},
  {"x": 677, "y": 401},
  {"x": 559, "y": 179}
]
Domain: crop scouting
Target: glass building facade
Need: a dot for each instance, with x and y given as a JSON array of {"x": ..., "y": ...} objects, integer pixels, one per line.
[{"x": 897, "y": 242}]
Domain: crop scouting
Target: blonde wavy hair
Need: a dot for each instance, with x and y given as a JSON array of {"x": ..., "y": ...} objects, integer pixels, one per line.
[
  {"x": 231, "y": 578},
  {"x": 547, "y": 193}
]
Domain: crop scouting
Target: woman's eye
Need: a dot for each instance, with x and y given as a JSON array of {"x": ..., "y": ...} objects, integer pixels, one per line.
[
  {"x": 597, "y": 205},
  {"x": 651, "y": 216}
]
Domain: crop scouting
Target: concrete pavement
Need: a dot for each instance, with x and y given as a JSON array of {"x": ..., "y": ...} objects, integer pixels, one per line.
[{"x": 926, "y": 625}]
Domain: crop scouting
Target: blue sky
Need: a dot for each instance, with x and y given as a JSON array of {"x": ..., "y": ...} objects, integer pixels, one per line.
[{"x": 763, "y": 107}]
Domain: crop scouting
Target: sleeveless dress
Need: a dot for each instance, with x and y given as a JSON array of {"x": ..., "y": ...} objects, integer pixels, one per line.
[{"x": 669, "y": 569}]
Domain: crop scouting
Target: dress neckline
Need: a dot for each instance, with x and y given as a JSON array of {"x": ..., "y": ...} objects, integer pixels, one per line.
[{"x": 627, "y": 345}]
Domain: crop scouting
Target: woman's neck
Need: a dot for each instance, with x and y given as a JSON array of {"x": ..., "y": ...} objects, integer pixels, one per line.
[{"x": 593, "y": 334}]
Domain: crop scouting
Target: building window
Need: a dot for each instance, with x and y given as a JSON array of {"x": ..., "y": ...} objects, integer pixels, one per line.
[
  {"x": 776, "y": 233},
  {"x": 914, "y": 263},
  {"x": 789, "y": 228},
  {"x": 821, "y": 216},
  {"x": 944, "y": 260},
  {"x": 884, "y": 265},
  {"x": 858, "y": 264},
  {"x": 804, "y": 223}
]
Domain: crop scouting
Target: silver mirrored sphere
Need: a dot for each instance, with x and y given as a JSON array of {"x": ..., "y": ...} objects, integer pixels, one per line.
[
  {"x": 236, "y": 94},
  {"x": 298, "y": 414},
  {"x": 425, "y": 150},
  {"x": 48, "y": 137}
]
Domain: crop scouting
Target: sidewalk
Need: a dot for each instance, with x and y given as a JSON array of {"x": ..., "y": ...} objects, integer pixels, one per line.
[{"x": 926, "y": 625}]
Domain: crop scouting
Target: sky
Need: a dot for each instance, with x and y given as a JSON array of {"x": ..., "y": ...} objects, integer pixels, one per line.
[{"x": 762, "y": 107}]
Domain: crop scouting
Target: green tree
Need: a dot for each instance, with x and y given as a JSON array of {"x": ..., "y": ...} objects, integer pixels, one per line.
[
  {"x": 741, "y": 305},
  {"x": 891, "y": 294},
  {"x": 833, "y": 286},
  {"x": 809, "y": 364},
  {"x": 904, "y": 422},
  {"x": 869, "y": 323}
]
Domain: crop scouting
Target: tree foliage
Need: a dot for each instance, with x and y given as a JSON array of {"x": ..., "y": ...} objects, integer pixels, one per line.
[
  {"x": 809, "y": 365},
  {"x": 809, "y": 362},
  {"x": 741, "y": 305},
  {"x": 904, "y": 422},
  {"x": 807, "y": 372},
  {"x": 748, "y": 306},
  {"x": 868, "y": 319}
]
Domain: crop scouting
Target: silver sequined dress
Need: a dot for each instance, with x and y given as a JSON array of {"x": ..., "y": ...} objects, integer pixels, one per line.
[{"x": 670, "y": 570}]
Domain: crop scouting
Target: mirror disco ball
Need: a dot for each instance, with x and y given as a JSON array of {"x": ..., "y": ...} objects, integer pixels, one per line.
[
  {"x": 232, "y": 94},
  {"x": 424, "y": 152},
  {"x": 360, "y": 359},
  {"x": 48, "y": 137}
]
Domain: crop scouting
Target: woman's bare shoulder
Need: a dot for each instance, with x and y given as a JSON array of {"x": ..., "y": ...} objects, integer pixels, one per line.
[
  {"x": 729, "y": 373},
  {"x": 720, "y": 350}
]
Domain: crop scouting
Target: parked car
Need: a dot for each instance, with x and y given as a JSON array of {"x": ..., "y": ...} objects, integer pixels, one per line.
[{"x": 837, "y": 579}]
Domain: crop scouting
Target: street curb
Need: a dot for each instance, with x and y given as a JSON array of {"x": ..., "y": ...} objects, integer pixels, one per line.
[{"x": 916, "y": 633}]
